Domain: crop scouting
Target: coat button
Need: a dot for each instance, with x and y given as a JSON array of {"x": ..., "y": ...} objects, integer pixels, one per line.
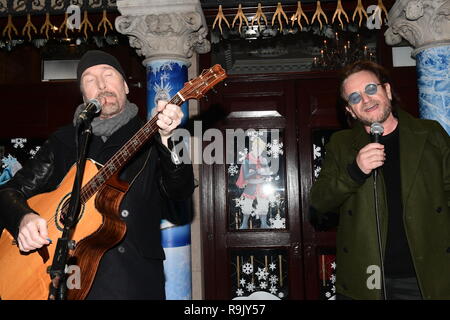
[
  {"x": 345, "y": 250},
  {"x": 350, "y": 213},
  {"x": 439, "y": 209},
  {"x": 121, "y": 249},
  {"x": 124, "y": 213},
  {"x": 448, "y": 250}
]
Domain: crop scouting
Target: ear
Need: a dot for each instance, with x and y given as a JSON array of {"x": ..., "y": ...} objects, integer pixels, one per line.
[
  {"x": 387, "y": 87},
  {"x": 126, "y": 87},
  {"x": 349, "y": 110}
]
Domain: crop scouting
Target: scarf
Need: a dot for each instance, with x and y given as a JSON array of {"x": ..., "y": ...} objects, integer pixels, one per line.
[{"x": 106, "y": 127}]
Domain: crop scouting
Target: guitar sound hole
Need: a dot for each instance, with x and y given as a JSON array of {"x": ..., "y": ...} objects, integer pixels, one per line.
[{"x": 62, "y": 211}]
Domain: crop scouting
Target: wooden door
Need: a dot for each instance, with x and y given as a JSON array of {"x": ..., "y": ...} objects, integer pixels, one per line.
[{"x": 253, "y": 238}]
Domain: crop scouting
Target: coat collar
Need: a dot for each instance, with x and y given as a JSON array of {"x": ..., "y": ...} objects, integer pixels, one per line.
[
  {"x": 124, "y": 133},
  {"x": 412, "y": 143}
]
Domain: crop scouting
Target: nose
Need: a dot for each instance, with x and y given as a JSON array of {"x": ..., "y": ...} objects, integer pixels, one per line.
[
  {"x": 101, "y": 83},
  {"x": 364, "y": 97}
]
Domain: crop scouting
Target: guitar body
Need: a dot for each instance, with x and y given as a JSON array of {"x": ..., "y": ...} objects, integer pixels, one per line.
[
  {"x": 23, "y": 276},
  {"x": 99, "y": 228}
]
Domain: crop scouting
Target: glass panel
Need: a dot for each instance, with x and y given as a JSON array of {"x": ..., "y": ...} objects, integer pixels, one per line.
[
  {"x": 256, "y": 192},
  {"x": 320, "y": 139},
  {"x": 327, "y": 274},
  {"x": 259, "y": 274}
]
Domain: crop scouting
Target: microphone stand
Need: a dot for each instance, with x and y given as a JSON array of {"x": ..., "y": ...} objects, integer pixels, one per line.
[
  {"x": 57, "y": 271},
  {"x": 380, "y": 246}
]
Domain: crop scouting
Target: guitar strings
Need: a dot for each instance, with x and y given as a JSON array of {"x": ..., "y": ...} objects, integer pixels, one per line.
[{"x": 88, "y": 190}]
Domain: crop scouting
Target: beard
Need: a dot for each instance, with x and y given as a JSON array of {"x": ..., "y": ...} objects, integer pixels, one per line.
[
  {"x": 387, "y": 109},
  {"x": 109, "y": 109}
]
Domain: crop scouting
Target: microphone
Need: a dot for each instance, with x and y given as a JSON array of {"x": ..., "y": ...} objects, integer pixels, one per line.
[
  {"x": 376, "y": 131},
  {"x": 91, "y": 108}
]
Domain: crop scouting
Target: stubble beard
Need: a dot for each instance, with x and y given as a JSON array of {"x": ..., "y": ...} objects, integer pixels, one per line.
[
  {"x": 382, "y": 118},
  {"x": 109, "y": 109}
]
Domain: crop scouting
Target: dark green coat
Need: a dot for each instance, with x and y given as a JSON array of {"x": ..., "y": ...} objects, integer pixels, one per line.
[{"x": 425, "y": 184}]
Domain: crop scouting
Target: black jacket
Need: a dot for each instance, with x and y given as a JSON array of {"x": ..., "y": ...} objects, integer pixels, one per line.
[{"x": 159, "y": 189}]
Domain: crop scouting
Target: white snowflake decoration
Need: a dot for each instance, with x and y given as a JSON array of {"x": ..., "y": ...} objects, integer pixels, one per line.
[
  {"x": 273, "y": 290},
  {"x": 254, "y": 134},
  {"x": 262, "y": 274},
  {"x": 263, "y": 285},
  {"x": 239, "y": 202},
  {"x": 242, "y": 282},
  {"x": 250, "y": 287},
  {"x": 272, "y": 266},
  {"x": 275, "y": 148},
  {"x": 328, "y": 294},
  {"x": 164, "y": 77},
  {"x": 333, "y": 278},
  {"x": 273, "y": 279},
  {"x": 34, "y": 151},
  {"x": 278, "y": 222},
  {"x": 317, "y": 171},
  {"x": 243, "y": 154},
  {"x": 239, "y": 292},
  {"x": 233, "y": 170},
  {"x": 247, "y": 268},
  {"x": 333, "y": 265},
  {"x": 281, "y": 295},
  {"x": 317, "y": 153},
  {"x": 18, "y": 142}
]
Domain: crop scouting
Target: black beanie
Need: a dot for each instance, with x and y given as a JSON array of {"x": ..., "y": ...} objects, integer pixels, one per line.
[{"x": 95, "y": 57}]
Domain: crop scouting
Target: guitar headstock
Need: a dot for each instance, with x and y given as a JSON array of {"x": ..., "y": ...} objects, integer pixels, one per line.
[{"x": 196, "y": 88}]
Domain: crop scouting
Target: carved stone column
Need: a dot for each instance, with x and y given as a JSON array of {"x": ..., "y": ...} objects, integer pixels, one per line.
[
  {"x": 167, "y": 34},
  {"x": 160, "y": 29},
  {"x": 426, "y": 25}
]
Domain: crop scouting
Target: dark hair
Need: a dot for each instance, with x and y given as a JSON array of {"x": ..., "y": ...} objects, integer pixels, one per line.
[{"x": 379, "y": 71}]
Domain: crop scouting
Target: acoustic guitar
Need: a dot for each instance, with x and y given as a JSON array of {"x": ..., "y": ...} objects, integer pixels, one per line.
[{"x": 23, "y": 275}]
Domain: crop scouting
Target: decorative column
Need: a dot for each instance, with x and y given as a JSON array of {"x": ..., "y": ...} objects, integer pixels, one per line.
[
  {"x": 167, "y": 34},
  {"x": 426, "y": 25}
]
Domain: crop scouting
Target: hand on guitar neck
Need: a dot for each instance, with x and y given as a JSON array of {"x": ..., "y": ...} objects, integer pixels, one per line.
[
  {"x": 33, "y": 233},
  {"x": 170, "y": 116}
]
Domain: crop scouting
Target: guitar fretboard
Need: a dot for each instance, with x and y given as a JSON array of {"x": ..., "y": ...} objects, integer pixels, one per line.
[{"x": 121, "y": 157}]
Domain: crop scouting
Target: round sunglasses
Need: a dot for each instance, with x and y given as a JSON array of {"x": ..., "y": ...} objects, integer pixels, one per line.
[{"x": 370, "y": 89}]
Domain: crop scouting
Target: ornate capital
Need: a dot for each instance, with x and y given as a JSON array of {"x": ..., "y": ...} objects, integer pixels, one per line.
[
  {"x": 160, "y": 29},
  {"x": 423, "y": 23}
]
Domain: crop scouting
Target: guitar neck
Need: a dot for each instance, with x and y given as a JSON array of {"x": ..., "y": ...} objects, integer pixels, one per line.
[{"x": 121, "y": 157}]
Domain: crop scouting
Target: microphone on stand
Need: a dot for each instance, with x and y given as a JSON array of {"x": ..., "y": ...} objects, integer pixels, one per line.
[
  {"x": 376, "y": 131},
  {"x": 91, "y": 108}
]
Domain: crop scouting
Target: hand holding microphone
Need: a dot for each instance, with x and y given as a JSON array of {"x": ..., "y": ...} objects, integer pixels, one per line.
[{"x": 372, "y": 156}]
